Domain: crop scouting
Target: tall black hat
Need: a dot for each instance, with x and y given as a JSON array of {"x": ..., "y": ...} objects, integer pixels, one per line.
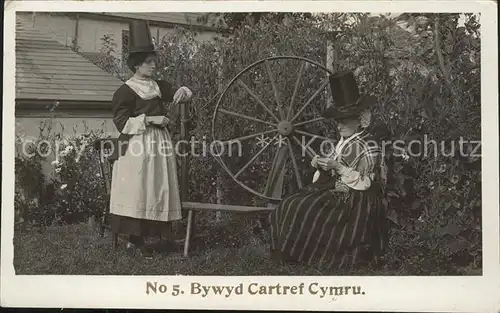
[
  {"x": 348, "y": 102},
  {"x": 140, "y": 37}
]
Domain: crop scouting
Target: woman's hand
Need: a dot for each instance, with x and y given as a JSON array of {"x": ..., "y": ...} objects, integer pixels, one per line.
[
  {"x": 182, "y": 94},
  {"x": 157, "y": 120},
  {"x": 328, "y": 164},
  {"x": 314, "y": 161}
]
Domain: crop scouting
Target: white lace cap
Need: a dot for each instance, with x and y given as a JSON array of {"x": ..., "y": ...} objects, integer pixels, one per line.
[{"x": 365, "y": 118}]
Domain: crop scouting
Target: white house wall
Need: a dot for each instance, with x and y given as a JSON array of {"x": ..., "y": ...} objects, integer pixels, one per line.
[
  {"x": 28, "y": 129},
  {"x": 66, "y": 126},
  {"x": 60, "y": 27},
  {"x": 90, "y": 31},
  {"x": 160, "y": 32}
]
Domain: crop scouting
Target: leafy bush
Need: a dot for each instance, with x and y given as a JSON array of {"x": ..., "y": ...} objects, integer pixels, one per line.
[
  {"x": 71, "y": 193},
  {"x": 80, "y": 191}
]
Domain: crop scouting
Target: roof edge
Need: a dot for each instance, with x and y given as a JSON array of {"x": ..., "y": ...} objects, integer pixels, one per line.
[{"x": 42, "y": 104}]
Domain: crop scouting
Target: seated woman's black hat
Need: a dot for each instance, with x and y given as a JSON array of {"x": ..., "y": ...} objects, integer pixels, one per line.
[{"x": 348, "y": 102}]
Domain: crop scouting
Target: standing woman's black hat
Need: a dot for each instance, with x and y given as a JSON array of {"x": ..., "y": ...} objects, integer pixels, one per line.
[
  {"x": 140, "y": 44},
  {"x": 140, "y": 38}
]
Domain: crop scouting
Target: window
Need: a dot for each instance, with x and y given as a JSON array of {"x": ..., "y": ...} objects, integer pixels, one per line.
[{"x": 125, "y": 39}]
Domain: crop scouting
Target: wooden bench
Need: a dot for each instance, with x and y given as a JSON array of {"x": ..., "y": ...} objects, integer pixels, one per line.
[{"x": 195, "y": 206}]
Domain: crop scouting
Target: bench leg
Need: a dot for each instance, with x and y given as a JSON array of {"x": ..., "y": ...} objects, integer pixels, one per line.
[
  {"x": 104, "y": 222},
  {"x": 189, "y": 231},
  {"x": 115, "y": 241},
  {"x": 101, "y": 229}
]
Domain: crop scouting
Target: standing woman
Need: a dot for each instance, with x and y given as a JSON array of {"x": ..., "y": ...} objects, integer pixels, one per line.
[
  {"x": 339, "y": 220},
  {"x": 144, "y": 190}
]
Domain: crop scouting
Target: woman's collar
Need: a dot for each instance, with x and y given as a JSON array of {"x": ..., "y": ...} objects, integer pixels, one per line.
[
  {"x": 140, "y": 78},
  {"x": 352, "y": 136},
  {"x": 146, "y": 89}
]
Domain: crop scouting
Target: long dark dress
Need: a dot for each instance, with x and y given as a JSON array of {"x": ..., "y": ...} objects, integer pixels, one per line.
[
  {"x": 144, "y": 193},
  {"x": 331, "y": 223}
]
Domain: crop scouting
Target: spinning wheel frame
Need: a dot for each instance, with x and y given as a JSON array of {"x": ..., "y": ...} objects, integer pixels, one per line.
[{"x": 283, "y": 126}]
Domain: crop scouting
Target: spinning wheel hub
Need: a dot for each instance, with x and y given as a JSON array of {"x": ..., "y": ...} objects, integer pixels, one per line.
[{"x": 285, "y": 128}]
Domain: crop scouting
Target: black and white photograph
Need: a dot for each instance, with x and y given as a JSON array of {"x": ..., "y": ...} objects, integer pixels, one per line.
[{"x": 205, "y": 154}]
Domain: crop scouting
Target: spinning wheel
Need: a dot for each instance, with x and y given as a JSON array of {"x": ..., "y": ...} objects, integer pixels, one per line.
[{"x": 297, "y": 91}]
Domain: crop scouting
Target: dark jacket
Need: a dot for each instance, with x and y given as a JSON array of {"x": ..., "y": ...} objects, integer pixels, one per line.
[{"x": 127, "y": 104}]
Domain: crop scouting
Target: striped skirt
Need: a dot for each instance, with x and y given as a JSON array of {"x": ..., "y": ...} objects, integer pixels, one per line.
[{"x": 339, "y": 230}]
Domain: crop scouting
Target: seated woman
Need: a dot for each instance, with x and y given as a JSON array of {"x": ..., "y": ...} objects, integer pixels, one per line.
[{"x": 339, "y": 220}]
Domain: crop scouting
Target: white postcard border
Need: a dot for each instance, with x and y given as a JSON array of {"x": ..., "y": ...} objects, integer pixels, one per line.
[{"x": 437, "y": 294}]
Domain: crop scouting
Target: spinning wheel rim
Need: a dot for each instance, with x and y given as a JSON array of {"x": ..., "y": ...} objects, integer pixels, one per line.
[{"x": 281, "y": 127}]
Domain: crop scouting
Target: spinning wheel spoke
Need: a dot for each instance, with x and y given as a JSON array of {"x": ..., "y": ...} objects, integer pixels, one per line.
[
  {"x": 318, "y": 119},
  {"x": 311, "y": 135},
  {"x": 316, "y": 93},
  {"x": 250, "y": 136},
  {"x": 251, "y": 93},
  {"x": 246, "y": 117},
  {"x": 275, "y": 179},
  {"x": 275, "y": 89},
  {"x": 296, "y": 88},
  {"x": 255, "y": 157},
  {"x": 294, "y": 163},
  {"x": 310, "y": 152}
]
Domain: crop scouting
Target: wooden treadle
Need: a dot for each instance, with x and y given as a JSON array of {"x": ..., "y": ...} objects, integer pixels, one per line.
[{"x": 223, "y": 207}]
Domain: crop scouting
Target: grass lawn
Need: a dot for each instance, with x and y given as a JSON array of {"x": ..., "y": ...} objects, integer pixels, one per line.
[{"x": 79, "y": 250}]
